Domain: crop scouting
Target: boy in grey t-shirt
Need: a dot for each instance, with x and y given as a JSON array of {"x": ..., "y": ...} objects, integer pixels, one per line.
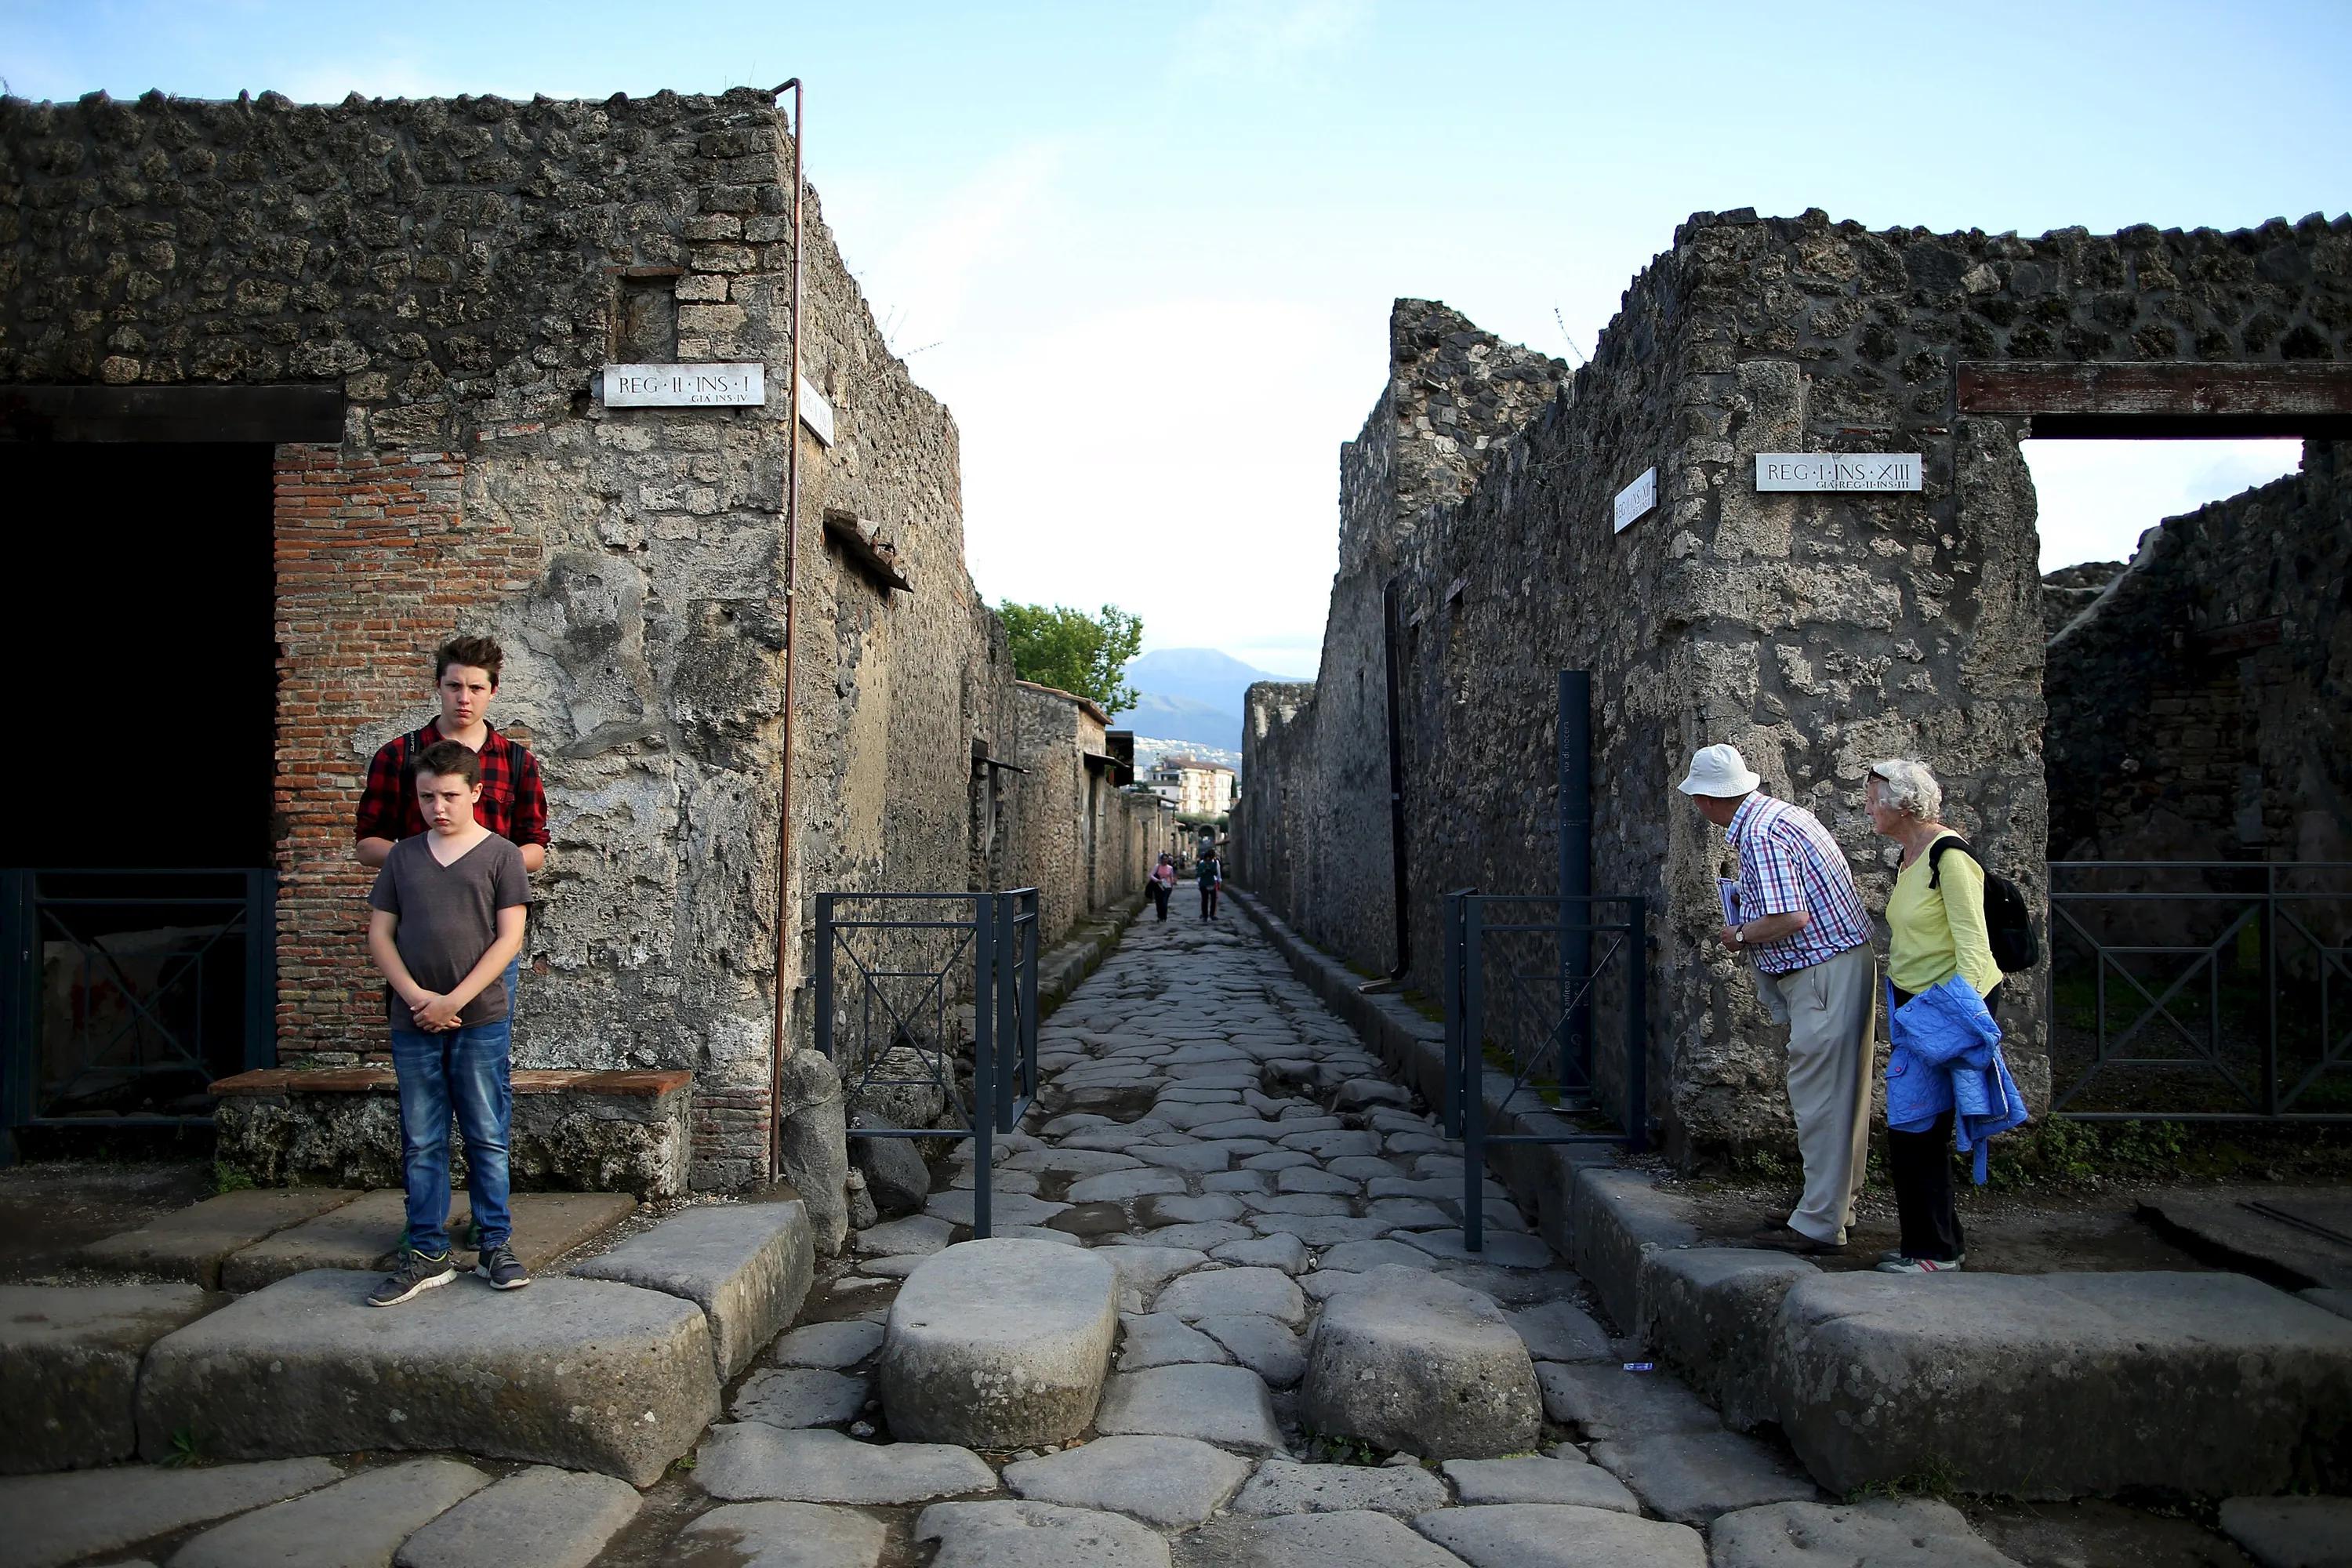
[{"x": 447, "y": 913}]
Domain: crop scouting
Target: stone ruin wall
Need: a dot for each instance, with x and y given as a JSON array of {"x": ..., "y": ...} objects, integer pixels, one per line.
[
  {"x": 1816, "y": 632},
  {"x": 465, "y": 268}
]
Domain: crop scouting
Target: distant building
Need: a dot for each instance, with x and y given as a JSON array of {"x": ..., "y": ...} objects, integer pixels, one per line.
[{"x": 1197, "y": 787}]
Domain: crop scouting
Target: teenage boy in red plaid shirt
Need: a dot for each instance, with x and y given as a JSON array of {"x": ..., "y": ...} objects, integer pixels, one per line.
[{"x": 512, "y": 803}]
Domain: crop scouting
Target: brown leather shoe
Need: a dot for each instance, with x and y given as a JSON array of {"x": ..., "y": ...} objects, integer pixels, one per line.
[{"x": 1786, "y": 1238}]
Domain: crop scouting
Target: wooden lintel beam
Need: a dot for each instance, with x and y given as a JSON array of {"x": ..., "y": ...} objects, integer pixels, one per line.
[{"x": 2305, "y": 398}]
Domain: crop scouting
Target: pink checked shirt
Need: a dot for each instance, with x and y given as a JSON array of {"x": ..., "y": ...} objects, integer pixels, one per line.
[{"x": 1788, "y": 861}]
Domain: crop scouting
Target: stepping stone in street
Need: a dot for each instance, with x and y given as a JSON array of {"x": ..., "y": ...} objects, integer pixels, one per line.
[
  {"x": 747, "y": 1266},
  {"x": 891, "y": 1267},
  {"x": 189, "y": 1244},
  {"x": 1357, "y": 1256},
  {"x": 1611, "y": 1403},
  {"x": 916, "y": 1233},
  {"x": 1003, "y": 1534},
  {"x": 1503, "y": 1249},
  {"x": 1117, "y": 1186},
  {"x": 1144, "y": 1268},
  {"x": 1047, "y": 1232},
  {"x": 68, "y": 1516},
  {"x": 1359, "y": 1539},
  {"x": 1204, "y": 1237},
  {"x": 366, "y": 1234},
  {"x": 1172, "y": 1482},
  {"x": 1004, "y": 1208},
  {"x": 832, "y": 1345},
  {"x": 1161, "y": 1339},
  {"x": 1539, "y": 1535},
  {"x": 999, "y": 1344},
  {"x": 355, "y": 1523},
  {"x": 1287, "y": 1253},
  {"x": 1692, "y": 1477},
  {"x": 1177, "y": 1209},
  {"x": 1531, "y": 1479},
  {"x": 1222, "y": 1292},
  {"x": 751, "y": 1459},
  {"x": 1286, "y": 1486},
  {"x": 1261, "y": 1344},
  {"x": 1227, "y": 1405},
  {"x": 70, "y": 1357},
  {"x": 799, "y": 1396},
  {"x": 1881, "y": 1530},
  {"x": 543, "y": 1516},
  {"x": 783, "y": 1536},
  {"x": 1409, "y": 1361}
]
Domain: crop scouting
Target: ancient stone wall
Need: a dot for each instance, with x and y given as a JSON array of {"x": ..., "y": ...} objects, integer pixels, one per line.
[
  {"x": 1818, "y": 632},
  {"x": 2201, "y": 708}
]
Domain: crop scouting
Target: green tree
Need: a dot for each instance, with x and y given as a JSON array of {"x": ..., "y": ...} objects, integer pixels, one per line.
[{"x": 1079, "y": 653}]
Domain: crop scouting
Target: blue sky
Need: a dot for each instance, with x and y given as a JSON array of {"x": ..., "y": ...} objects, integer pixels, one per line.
[{"x": 1146, "y": 252}]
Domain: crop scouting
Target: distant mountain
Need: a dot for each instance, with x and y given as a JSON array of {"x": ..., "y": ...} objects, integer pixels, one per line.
[
  {"x": 1183, "y": 718},
  {"x": 1201, "y": 674}
]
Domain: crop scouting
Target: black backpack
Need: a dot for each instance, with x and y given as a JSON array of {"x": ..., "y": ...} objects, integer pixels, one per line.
[{"x": 2009, "y": 924}]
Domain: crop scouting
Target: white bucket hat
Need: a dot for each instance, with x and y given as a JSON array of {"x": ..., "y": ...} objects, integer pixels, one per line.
[{"x": 1718, "y": 771}]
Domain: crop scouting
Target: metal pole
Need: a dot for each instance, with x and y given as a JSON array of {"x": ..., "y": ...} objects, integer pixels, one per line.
[
  {"x": 1474, "y": 1090},
  {"x": 1637, "y": 1025},
  {"x": 1449, "y": 983},
  {"x": 792, "y": 599},
  {"x": 823, "y": 1021},
  {"x": 1575, "y": 739},
  {"x": 2270, "y": 995},
  {"x": 983, "y": 1061}
]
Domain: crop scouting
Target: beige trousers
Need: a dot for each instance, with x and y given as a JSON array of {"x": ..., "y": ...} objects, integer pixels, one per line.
[{"x": 1830, "y": 1008}]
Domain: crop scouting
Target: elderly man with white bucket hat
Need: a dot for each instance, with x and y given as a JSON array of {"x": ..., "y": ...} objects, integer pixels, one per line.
[{"x": 1800, "y": 917}]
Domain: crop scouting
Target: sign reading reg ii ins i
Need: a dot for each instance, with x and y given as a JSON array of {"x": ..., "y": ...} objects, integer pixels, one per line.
[{"x": 1837, "y": 470}]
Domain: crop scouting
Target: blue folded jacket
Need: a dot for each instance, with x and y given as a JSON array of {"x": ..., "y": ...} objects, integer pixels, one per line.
[{"x": 1947, "y": 1057}]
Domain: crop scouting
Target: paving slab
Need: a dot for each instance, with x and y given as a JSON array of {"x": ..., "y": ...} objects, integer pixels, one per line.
[
  {"x": 1559, "y": 1330},
  {"x": 1329, "y": 1205},
  {"x": 2288, "y": 1233},
  {"x": 1205, "y": 1236},
  {"x": 1609, "y": 1402},
  {"x": 916, "y": 1233},
  {"x": 1005, "y": 1534},
  {"x": 190, "y": 1244},
  {"x": 749, "y": 1460},
  {"x": 578, "y": 1373},
  {"x": 1708, "y": 1313},
  {"x": 1286, "y": 1486},
  {"x": 1144, "y": 1267},
  {"x": 1543, "y": 1535},
  {"x": 1172, "y": 1482},
  {"x": 366, "y": 1232},
  {"x": 70, "y": 1359},
  {"x": 1318, "y": 1230},
  {"x": 1537, "y": 1479},
  {"x": 782, "y": 1535},
  {"x": 1359, "y": 1257},
  {"x": 1265, "y": 1345},
  {"x": 1359, "y": 1539},
  {"x": 1177, "y": 1208},
  {"x": 1000, "y": 1344},
  {"x": 354, "y": 1523},
  {"x": 1004, "y": 1208},
  {"x": 1503, "y": 1248},
  {"x": 800, "y": 1397},
  {"x": 1885, "y": 1533},
  {"x": 1118, "y": 1186},
  {"x": 837, "y": 1346},
  {"x": 1692, "y": 1477},
  {"x": 1409, "y": 1361},
  {"x": 1224, "y": 1292},
  {"x": 2057, "y": 1385},
  {"x": 1227, "y": 1405},
  {"x": 1077, "y": 1163},
  {"x": 59, "y": 1519},
  {"x": 747, "y": 1266},
  {"x": 1287, "y": 1253},
  {"x": 1163, "y": 1339},
  {"x": 543, "y": 1516},
  {"x": 1201, "y": 1158},
  {"x": 1236, "y": 1182},
  {"x": 2292, "y": 1531}
]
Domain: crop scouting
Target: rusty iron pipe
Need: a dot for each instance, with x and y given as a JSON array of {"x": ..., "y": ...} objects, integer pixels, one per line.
[{"x": 791, "y": 605}]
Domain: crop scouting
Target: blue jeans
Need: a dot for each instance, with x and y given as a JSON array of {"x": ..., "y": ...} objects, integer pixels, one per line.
[
  {"x": 513, "y": 970},
  {"x": 465, "y": 1071}
]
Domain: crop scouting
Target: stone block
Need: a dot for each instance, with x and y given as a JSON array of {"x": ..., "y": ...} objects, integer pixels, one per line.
[
  {"x": 543, "y": 1516},
  {"x": 366, "y": 1234},
  {"x": 1609, "y": 1402},
  {"x": 1882, "y": 1531},
  {"x": 1118, "y": 1186},
  {"x": 835, "y": 1345},
  {"x": 1223, "y": 1292},
  {"x": 751, "y": 1460},
  {"x": 916, "y": 1233},
  {"x": 354, "y": 1523},
  {"x": 1409, "y": 1361},
  {"x": 1535, "y": 1479},
  {"x": 783, "y": 1536},
  {"x": 1339, "y": 1540},
  {"x": 1287, "y": 1253},
  {"x": 799, "y": 1396},
  {"x": 576, "y": 1373},
  {"x": 1005, "y": 1534},
  {"x": 1708, "y": 1312},
  {"x": 1263, "y": 1345},
  {"x": 59, "y": 1519},
  {"x": 1559, "y": 1330},
  {"x": 2291, "y": 1531},
  {"x": 1004, "y": 1208},
  {"x": 1161, "y": 1339},
  {"x": 1172, "y": 1482},
  {"x": 2057, "y": 1385},
  {"x": 1227, "y": 1405},
  {"x": 1286, "y": 1486},
  {"x": 1000, "y": 1344},
  {"x": 1615, "y": 1215},
  {"x": 1176, "y": 1208},
  {"x": 1539, "y": 1535},
  {"x": 747, "y": 1266},
  {"x": 1144, "y": 1268},
  {"x": 191, "y": 1244},
  {"x": 1692, "y": 1477},
  {"x": 69, "y": 1361}
]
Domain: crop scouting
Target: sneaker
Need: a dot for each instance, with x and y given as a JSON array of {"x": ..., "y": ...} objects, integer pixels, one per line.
[
  {"x": 1919, "y": 1266},
  {"x": 1905, "y": 1257},
  {"x": 502, "y": 1268},
  {"x": 416, "y": 1274}
]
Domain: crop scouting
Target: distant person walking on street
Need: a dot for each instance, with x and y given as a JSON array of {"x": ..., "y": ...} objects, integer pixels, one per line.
[
  {"x": 1212, "y": 877},
  {"x": 1163, "y": 882},
  {"x": 1799, "y": 915}
]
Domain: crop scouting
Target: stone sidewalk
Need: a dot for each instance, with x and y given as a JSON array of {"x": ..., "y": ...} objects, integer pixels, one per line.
[{"x": 1212, "y": 1131}]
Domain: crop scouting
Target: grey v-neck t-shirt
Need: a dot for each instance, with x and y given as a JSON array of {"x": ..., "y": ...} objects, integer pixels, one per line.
[{"x": 448, "y": 917}]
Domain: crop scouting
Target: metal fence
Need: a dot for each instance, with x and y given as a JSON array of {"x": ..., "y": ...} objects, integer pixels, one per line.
[
  {"x": 893, "y": 973},
  {"x": 1532, "y": 987},
  {"x": 2200, "y": 991},
  {"x": 123, "y": 994}
]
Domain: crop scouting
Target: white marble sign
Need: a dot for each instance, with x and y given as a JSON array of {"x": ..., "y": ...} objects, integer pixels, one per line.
[
  {"x": 816, "y": 412},
  {"x": 1837, "y": 470},
  {"x": 686, "y": 385},
  {"x": 1636, "y": 499}
]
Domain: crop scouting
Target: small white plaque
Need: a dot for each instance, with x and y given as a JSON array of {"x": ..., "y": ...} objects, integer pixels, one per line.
[
  {"x": 1636, "y": 499},
  {"x": 686, "y": 385},
  {"x": 1837, "y": 470},
  {"x": 816, "y": 412}
]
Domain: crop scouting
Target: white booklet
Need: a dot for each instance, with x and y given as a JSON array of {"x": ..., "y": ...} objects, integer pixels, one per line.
[{"x": 1728, "y": 892}]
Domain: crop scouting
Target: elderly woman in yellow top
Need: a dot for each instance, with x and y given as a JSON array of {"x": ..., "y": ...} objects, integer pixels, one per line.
[{"x": 1935, "y": 921}]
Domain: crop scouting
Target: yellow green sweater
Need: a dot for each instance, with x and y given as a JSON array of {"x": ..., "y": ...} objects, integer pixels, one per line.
[{"x": 1938, "y": 933}]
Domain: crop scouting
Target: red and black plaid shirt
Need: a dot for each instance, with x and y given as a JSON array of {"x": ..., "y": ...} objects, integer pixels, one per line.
[{"x": 513, "y": 804}]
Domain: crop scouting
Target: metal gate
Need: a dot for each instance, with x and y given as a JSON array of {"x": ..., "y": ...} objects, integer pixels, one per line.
[
  {"x": 1532, "y": 984},
  {"x": 123, "y": 994},
  {"x": 893, "y": 971}
]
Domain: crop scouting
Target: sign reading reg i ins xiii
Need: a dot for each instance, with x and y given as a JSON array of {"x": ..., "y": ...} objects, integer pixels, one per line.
[{"x": 1837, "y": 470}]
